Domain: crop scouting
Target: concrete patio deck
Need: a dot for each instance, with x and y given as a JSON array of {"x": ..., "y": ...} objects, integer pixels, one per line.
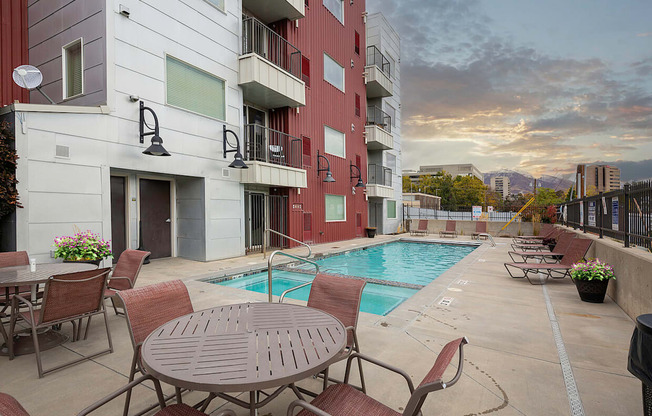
[{"x": 512, "y": 364}]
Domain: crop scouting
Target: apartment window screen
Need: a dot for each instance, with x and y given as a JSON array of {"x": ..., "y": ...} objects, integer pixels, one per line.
[
  {"x": 195, "y": 90},
  {"x": 306, "y": 151},
  {"x": 334, "y": 142},
  {"x": 305, "y": 70},
  {"x": 333, "y": 72},
  {"x": 357, "y": 43},
  {"x": 391, "y": 111},
  {"x": 217, "y": 3},
  {"x": 357, "y": 105},
  {"x": 336, "y": 7},
  {"x": 73, "y": 69},
  {"x": 335, "y": 207},
  {"x": 391, "y": 209}
]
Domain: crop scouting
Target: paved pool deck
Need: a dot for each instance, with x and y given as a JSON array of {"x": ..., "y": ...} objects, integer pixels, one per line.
[{"x": 512, "y": 364}]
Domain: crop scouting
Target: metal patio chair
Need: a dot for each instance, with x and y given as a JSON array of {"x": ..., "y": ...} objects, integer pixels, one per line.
[
  {"x": 480, "y": 230},
  {"x": 125, "y": 273},
  {"x": 549, "y": 233},
  {"x": 10, "y": 259},
  {"x": 69, "y": 297},
  {"x": 575, "y": 252},
  {"x": 344, "y": 400},
  {"x": 422, "y": 228},
  {"x": 10, "y": 406},
  {"x": 563, "y": 243},
  {"x": 537, "y": 245},
  {"x": 450, "y": 230}
]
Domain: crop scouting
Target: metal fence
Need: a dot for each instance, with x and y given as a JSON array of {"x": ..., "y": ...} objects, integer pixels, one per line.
[
  {"x": 377, "y": 117},
  {"x": 624, "y": 214},
  {"x": 265, "y": 212},
  {"x": 375, "y": 57},
  {"x": 272, "y": 146},
  {"x": 259, "y": 39},
  {"x": 466, "y": 214}
]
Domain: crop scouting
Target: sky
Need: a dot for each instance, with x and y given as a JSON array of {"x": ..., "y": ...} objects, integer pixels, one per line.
[{"x": 528, "y": 85}]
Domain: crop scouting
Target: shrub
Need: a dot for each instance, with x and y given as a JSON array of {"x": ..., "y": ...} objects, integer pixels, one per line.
[
  {"x": 592, "y": 269},
  {"x": 82, "y": 246}
]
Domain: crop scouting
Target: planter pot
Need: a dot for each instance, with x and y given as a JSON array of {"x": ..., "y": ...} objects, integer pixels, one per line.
[
  {"x": 371, "y": 232},
  {"x": 592, "y": 290},
  {"x": 95, "y": 262}
]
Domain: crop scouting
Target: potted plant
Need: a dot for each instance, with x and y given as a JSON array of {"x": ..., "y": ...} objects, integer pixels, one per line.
[
  {"x": 371, "y": 231},
  {"x": 591, "y": 278},
  {"x": 82, "y": 247}
]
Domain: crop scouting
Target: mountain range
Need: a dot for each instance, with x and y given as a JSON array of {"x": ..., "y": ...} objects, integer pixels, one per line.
[{"x": 524, "y": 182}]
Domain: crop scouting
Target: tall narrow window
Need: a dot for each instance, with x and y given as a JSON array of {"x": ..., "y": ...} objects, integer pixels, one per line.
[
  {"x": 391, "y": 111},
  {"x": 357, "y": 43},
  {"x": 357, "y": 105},
  {"x": 305, "y": 70},
  {"x": 73, "y": 71},
  {"x": 391, "y": 209},
  {"x": 306, "y": 151},
  {"x": 194, "y": 90},
  {"x": 336, "y": 7},
  {"x": 333, "y": 73}
]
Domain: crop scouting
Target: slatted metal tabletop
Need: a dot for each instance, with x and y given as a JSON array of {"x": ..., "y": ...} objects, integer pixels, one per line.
[
  {"x": 243, "y": 347},
  {"x": 22, "y": 276}
]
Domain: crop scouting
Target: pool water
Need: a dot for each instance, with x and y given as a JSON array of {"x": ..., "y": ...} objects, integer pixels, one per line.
[{"x": 376, "y": 299}]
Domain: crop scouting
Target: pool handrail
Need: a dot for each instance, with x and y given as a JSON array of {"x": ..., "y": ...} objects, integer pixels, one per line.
[
  {"x": 285, "y": 236},
  {"x": 292, "y": 289},
  {"x": 269, "y": 269},
  {"x": 487, "y": 235}
]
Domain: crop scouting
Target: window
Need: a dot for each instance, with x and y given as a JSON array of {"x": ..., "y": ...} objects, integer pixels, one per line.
[
  {"x": 305, "y": 70},
  {"x": 391, "y": 209},
  {"x": 392, "y": 62},
  {"x": 333, "y": 72},
  {"x": 219, "y": 4},
  {"x": 337, "y": 8},
  {"x": 334, "y": 142},
  {"x": 306, "y": 151},
  {"x": 335, "y": 207},
  {"x": 391, "y": 161},
  {"x": 357, "y": 43},
  {"x": 73, "y": 71},
  {"x": 194, "y": 90},
  {"x": 391, "y": 111},
  {"x": 357, "y": 105}
]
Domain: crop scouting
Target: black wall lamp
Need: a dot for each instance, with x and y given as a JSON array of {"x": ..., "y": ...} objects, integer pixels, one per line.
[
  {"x": 352, "y": 169},
  {"x": 327, "y": 169},
  {"x": 237, "y": 159},
  {"x": 156, "y": 149}
]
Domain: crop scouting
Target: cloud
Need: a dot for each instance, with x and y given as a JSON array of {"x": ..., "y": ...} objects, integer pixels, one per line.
[{"x": 644, "y": 35}]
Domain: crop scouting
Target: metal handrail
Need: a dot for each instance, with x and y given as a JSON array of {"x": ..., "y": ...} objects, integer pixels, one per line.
[
  {"x": 289, "y": 238},
  {"x": 258, "y": 38},
  {"x": 269, "y": 269},
  {"x": 377, "y": 117}
]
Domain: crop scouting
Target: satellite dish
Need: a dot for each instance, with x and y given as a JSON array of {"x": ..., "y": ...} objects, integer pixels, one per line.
[{"x": 29, "y": 77}]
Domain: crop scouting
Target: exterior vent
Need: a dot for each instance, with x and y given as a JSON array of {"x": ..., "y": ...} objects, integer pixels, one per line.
[
  {"x": 62, "y": 151},
  {"x": 226, "y": 173}
]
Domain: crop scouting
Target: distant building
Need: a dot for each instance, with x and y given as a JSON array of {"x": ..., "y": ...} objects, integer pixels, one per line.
[
  {"x": 462, "y": 169},
  {"x": 419, "y": 200},
  {"x": 598, "y": 178},
  {"x": 500, "y": 184}
]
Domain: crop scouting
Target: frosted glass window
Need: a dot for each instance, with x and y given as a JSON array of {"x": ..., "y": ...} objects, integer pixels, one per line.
[
  {"x": 195, "y": 90},
  {"x": 391, "y": 209},
  {"x": 391, "y": 112},
  {"x": 336, "y": 7},
  {"x": 335, "y": 207},
  {"x": 334, "y": 142},
  {"x": 73, "y": 69},
  {"x": 333, "y": 72},
  {"x": 217, "y": 3}
]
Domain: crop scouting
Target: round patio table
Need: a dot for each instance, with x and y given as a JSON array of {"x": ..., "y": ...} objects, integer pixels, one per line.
[{"x": 244, "y": 347}]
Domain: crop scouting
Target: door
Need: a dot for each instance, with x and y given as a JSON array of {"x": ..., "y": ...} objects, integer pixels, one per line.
[
  {"x": 155, "y": 218},
  {"x": 255, "y": 225},
  {"x": 118, "y": 216},
  {"x": 255, "y": 121}
]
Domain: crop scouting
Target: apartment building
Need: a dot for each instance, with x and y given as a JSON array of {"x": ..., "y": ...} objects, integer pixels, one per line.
[
  {"x": 596, "y": 178},
  {"x": 461, "y": 169},
  {"x": 500, "y": 184}
]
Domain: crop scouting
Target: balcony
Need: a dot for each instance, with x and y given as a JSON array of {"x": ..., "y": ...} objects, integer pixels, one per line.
[
  {"x": 270, "y": 68},
  {"x": 274, "y": 158},
  {"x": 378, "y": 71},
  {"x": 273, "y": 10},
  {"x": 378, "y": 129},
  {"x": 379, "y": 182}
]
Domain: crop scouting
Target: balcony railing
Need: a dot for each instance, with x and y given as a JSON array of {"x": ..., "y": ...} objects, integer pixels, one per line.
[
  {"x": 379, "y": 175},
  {"x": 264, "y": 42},
  {"x": 272, "y": 146},
  {"x": 375, "y": 57},
  {"x": 377, "y": 117}
]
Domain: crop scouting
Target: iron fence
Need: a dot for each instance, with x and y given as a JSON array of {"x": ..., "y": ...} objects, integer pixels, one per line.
[
  {"x": 272, "y": 146},
  {"x": 624, "y": 214},
  {"x": 377, "y": 117},
  {"x": 375, "y": 57},
  {"x": 379, "y": 175},
  {"x": 259, "y": 39},
  {"x": 265, "y": 212}
]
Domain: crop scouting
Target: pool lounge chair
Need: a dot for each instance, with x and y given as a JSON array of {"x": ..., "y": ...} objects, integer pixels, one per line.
[
  {"x": 422, "y": 229},
  {"x": 450, "y": 230},
  {"x": 563, "y": 243},
  {"x": 550, "y": 233},
  {"x": 480, "y": 230},
  {"x": 537, "y": 245},
  {"x": 575, "y": 253}
]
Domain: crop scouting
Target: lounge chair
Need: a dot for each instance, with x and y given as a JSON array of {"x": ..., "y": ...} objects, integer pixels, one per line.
[
  {"x": 480, "y": 230},
  {"x": 563, "y": 243},
  {"x": 450, "y": 229},
  {"x": 576, "y": 252},
  {"x": 68, "y": 297},
  {"x": 343, "y": 399},
  {"x": 537, "y": 245},
  {"x": 550, "y": 233},
  {"x": 125, "y": 273},
  {"x": 422, "y": 229}
]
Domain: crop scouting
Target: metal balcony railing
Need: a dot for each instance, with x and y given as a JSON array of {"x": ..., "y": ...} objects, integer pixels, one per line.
[
  {"x": 379, "y": 175},
  {"x": 375, "y": 57},
  {"x": 259, "y": 39},
  {"x": 377, "y": 117},
  {"x": 272, "y": 146}
]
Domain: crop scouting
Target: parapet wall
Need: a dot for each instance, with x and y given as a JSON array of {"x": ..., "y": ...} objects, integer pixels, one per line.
[{"x": 468, "y": 227}]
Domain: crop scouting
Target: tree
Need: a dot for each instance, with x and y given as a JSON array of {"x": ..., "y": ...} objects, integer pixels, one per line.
[
  {"x": 468, "y": 191},
  {"x": 8, "y": 192},
  {"x": 546, "y": 197},
  {"x": 407, "y": 184}
]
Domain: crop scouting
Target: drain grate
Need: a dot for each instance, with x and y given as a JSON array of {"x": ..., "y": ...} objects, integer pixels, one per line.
[{"x": 446, "y": 301}]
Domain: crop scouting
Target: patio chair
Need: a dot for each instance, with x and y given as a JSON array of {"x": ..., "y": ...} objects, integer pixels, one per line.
[
  {"x": 68, "y": 297},
  {"x": 563, "y": 243},
  {"x": 537, "y": 245},
  {"x": 10, "y": 406},
  {"x": 422, "y": 228},
  {"x": 450, "y": 229},
  {"x": 178, "y": 409},
  {"x": 575, "y": 252},
  {"x": 480, "y": 230},
  {"x": 125, "y": 273},
  {"x": 276, "y": 153},
  {"x": 10, "y": 259},
  {"x": 341, "y": 298},
  {"x": 547, "y": 233},
  {"x": 344, "y": 400},
  {"x": 147, "y": 308}
]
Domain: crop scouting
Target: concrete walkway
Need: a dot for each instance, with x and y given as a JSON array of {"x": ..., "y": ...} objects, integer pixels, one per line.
[{"x": 512, "y": 364}]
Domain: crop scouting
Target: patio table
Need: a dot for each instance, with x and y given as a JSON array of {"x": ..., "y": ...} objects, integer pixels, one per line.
[
  {"x": 244, "y": 348},
  {"x": 15, "y": 276}
]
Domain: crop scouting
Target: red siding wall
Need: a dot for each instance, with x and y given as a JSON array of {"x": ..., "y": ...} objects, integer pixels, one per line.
[
  {"x": 13, "y": 49},
  {"x": 317, "y": 33}
]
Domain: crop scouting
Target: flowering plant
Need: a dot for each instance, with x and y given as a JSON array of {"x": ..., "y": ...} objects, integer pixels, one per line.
[
  {"x": 82, "y": 246},
  {"x": 592, "y": 269}
]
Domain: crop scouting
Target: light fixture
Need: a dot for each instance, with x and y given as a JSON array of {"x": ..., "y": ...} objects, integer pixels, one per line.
[
  {"x": 156, "y": 149},
  {"x": 352, "y": 169},
  {"x": 327, "y": 169},
  {"x": 237, "y": 159}
]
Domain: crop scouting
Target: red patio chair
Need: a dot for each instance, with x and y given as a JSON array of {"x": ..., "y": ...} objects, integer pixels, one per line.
[
  {"x": 10, "y": 406},
  {"x": 546, "y": 232},
  {"x": 345, "y": 400},
  {"x": 125, "y": 273},
  {"x": 537, "y": 245},
  {"x": 480, "y": 230},
  {"x": 10, "y": 259},
  {"x": 422, "y": 228},
  {"x": 563, "y": 243},
  {"x": 450, "y": 229}
]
